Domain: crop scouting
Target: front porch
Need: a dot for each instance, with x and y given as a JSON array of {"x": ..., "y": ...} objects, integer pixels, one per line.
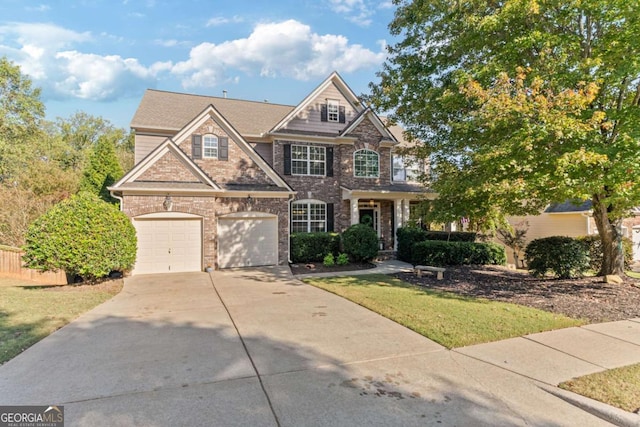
[{"x": 384, "y": 209}]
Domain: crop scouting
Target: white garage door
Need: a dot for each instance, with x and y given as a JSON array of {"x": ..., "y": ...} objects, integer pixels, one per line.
[
  {"x": 168, "y": 245},
  {"x": 247, "y": 239}
]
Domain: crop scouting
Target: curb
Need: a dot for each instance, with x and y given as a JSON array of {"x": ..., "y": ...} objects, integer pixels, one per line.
[{"x": 601, "y": 410}]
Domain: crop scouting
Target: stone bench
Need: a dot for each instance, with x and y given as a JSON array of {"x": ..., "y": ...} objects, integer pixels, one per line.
[{"x": 418, "y": 269}]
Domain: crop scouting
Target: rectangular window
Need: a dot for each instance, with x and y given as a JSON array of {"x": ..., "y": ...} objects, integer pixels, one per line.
[
  {"x": 210, "y": 146},
  {"x": 366, "y": 164},
  {"x": 406, "y": 168},
  {"x": 333, "y": 110},
  {"x": 308, "y": 217},
  {"x": 307, "y": 160}
]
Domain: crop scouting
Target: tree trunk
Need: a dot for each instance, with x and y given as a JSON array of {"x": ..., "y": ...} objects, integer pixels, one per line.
[{"x": 611, "y": 238}]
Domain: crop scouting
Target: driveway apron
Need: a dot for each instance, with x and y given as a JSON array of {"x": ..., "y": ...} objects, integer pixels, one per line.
[{"x": 257, "y": 347}]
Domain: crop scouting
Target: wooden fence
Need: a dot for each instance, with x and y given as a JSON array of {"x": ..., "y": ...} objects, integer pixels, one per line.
[{"x": 11, "y": 265}]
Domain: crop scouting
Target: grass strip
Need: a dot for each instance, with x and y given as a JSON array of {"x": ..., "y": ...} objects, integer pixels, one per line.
[
  {"x": 618, "y": 387},
  {"x": 446, "y": 318}
]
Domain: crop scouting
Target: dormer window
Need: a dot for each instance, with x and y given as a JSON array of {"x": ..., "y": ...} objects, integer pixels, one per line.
[
  {"x": 333, "y": 109},
  {"x": 210, "y": 146}
]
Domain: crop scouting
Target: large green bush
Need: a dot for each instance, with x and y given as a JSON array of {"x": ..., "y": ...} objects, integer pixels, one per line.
[
  {"x": 313, "y": 247},
  {"x": 83, "y": 236},
  {"x": 564, "y": 256},
  {"x": 438, "y": 253},
  {"x": 360, "y": 242},
  {"x": 408, "y": 236},
  {"x": 593, "y": 244}
]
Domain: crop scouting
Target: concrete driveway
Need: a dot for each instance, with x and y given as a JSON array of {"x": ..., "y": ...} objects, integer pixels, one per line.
[{"x": 256, "y": 347}]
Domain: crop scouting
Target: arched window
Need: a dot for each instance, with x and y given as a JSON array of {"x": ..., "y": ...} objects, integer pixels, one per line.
[
  {"x": 210, "y": 146},
  {"x": 308, "y": 216},
  {"x": 366, "y": 164}
]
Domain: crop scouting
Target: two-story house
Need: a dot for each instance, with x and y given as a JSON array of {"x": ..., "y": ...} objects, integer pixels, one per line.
[{"x": 223, "y": 182}]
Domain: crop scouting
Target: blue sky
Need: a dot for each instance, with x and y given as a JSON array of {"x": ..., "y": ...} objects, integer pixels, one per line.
[{"x": 99, "y": 56}]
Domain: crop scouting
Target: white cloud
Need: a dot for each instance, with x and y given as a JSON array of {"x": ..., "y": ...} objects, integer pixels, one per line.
[
  {"x": 357, "y": 11},
  {"x": 39, "y": 8},
  {"x": 386, "y": 5},
  {"x": 288, "y": 49},
  {"x": 221, "y": 20},
  {"x": 96, "y": 77},
  {"x": 170, "y": 43}
]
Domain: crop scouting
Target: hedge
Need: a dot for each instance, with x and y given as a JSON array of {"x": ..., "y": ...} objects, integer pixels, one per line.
[
  {"x": 440, "y": 254},
  {"x": 408, "y": 236},
  {"x": 593, "y": 244},
  {"x": 313, "y": 247},
  {"x": 360, "y": 242}
]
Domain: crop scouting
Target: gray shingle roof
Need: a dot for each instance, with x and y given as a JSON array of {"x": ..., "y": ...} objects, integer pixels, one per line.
[
  {"x": 569, "y": 206},
  {"x": 172, "y": 111}
]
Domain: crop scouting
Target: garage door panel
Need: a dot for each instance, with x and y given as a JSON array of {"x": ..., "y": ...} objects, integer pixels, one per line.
[
  {"x": 168, "y": 245},
  {"x": 247, "y": 242}
]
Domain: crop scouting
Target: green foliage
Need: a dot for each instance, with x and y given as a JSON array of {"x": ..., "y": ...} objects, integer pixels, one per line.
[
  {"x": 440, "y": 253},
  {"x": 329, "y": 260},
  {"x": 312, "y": 247},
  {"x": 593, "y": 245},
  {"x": 83, "y": 236},
  {"x": 514, "y": 238},
  {"x": 343, "y": 259},
  {"x": 519, "y": 104},
  {"x": 360, "y": 242},
  {"x": 21, "y": 112},
  {"x": 102, "y": 170},
  {"x": 408, "y": 236},
  {"x": 564, "y": 256}
]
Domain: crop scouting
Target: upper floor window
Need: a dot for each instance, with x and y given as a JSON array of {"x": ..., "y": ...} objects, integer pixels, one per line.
[
  {"x": 308, "y": 216},
  {"x": 333, "y": 110},
  {"x": 366, "y": 164},
  {"x": 210, "y": 146},
  {"x": 405, "y": 168},
  {"x": 307, "y": 160}
]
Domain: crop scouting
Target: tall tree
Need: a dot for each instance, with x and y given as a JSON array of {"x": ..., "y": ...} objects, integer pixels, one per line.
[
  {"x": 21, "y": 113},
  {"x": 521, "y": 103},
  {"x": 103, "y": 169}
]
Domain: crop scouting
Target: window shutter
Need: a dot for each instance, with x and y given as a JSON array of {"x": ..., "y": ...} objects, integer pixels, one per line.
[
  {"x": 330, "y": 221},
  {"x": 287, "y": 159},
  {"x": 223, "y": 148},
  {"x": 329, "y": 161},
  {"x": 323, "y": 112},
  {"x": 196, "y": 146},
  {"x": 341, "y": 114}
]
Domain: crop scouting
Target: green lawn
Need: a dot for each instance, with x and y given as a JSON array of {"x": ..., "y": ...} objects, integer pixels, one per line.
[
  {"x": 633, "y": 274},
  {"x": 30, "y": 312},
  {"x": 616, "y": 387},
  {"x": 449, "y": 319}
]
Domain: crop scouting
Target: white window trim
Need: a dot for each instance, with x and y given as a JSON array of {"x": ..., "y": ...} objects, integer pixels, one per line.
[
  {"x": 308, "y": 221},
  {"x": 354, "y": 164},
  {"x": 308, "y": 161},
  {"x": 336, "y": 105},
  {"x": 204, "y": 146},
  {"x": 415, "y": 166}
]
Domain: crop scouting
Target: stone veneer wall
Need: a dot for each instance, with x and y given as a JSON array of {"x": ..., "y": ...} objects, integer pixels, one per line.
[{"x": 211, "y": 207}]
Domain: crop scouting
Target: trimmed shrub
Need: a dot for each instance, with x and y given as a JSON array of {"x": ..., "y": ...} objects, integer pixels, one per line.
[
  {"x": 439, "y": 254},
  {"x": 593, "y": 244},
  {"x": 564, "y": 256},
  {"x": 343, "y": 259},
  {"x": 329, "y": 260},
  {"x": 312, "y": 247},
  {"x": 360, "y": 242},
  {"x": 408, "y": 236},
  {"x": 83, "y": 236}
]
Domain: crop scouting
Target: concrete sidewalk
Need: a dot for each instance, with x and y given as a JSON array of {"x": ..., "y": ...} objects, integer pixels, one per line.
[{"x": 383, "y": 267}]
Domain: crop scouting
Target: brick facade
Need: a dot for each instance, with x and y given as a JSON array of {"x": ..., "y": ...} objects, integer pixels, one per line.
[
  {"x": 166, "y": 169},
  {"x": 209, "y": 208}
]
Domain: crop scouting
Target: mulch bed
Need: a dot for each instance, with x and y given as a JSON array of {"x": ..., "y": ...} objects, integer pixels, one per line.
[
  {"x": 318, "y": 267},
  {"x": 587, "y": 298}
]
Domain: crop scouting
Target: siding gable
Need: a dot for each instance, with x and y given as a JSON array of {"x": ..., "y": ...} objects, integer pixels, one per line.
[{"x": 309, "y": 119}]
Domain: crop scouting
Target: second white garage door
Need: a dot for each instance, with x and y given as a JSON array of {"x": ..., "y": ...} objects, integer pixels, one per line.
[
  {"x": 247, "y": 239},
  {"x": 168, "y": 245}
]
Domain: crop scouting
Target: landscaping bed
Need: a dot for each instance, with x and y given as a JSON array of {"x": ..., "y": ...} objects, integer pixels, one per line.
[
  {"x": 318, "y": 267},
  {"x": 585, "y": 298}
]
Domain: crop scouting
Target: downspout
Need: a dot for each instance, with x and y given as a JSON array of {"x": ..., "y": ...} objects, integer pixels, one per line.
[
  {"x": 120, "y": 199},
  {"x": 291, "y": 197},
  {"x": 587, "y": 215}
]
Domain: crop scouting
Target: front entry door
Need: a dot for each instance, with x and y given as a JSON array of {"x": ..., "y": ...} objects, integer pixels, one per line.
[{"x": 369, "y": 215}]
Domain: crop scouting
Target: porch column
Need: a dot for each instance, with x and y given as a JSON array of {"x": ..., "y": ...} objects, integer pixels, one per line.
[
  {"x": 405, "y": 211},
  {"x": 398, "y": 221},
  {"x": 355, "y": 212}
]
